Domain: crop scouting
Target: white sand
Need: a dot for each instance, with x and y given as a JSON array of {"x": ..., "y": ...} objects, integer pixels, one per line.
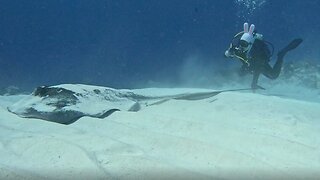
[{"x": 229, "y": 136}]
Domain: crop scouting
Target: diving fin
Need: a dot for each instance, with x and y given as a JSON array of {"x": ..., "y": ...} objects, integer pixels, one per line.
[{"x": 292, "y": 45}]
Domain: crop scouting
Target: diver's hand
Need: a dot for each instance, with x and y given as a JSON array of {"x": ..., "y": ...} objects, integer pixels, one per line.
[
  {"x": 228, "y": 54},
  {"x": 256, "y": 86}
]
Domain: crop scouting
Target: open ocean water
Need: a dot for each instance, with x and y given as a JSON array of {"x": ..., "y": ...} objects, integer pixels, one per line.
[{"x": 150, "y": 43}]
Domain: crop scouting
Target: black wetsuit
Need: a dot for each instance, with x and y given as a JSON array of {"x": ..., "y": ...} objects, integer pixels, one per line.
[{"x": 256, "y": 61}]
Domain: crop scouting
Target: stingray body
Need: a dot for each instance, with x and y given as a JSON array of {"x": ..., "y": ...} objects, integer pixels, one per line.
[{"x": 67, "y": 103}]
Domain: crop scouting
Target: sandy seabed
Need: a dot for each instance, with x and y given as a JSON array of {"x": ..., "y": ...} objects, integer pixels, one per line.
[{"x": 233, "y": 135}]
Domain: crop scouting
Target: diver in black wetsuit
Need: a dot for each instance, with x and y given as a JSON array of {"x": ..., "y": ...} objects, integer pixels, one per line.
[{"x": 255, "y": 55}]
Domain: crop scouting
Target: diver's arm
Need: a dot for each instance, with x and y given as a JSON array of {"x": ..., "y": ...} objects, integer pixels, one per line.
[{"x": 254, "y": 83}]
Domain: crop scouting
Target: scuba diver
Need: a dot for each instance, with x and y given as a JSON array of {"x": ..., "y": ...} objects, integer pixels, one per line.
[{"x": 253, "y": 51}]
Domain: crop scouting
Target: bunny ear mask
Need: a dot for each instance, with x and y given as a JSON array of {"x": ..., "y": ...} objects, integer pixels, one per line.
[
  {"x": 246, "y": 27},
  {"x": 251, "y": 29},
  {"x": 248, "y": 33}
]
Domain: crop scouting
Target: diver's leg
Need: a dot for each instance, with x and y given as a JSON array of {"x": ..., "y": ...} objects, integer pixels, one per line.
[
  {"x": 274, "y": 72},
  {"x": 292, "y": 45}
]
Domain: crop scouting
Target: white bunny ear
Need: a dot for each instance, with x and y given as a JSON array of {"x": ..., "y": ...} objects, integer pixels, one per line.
[
  {"x": 246, "y": 27},
  {"x": 251, "y": 29}
]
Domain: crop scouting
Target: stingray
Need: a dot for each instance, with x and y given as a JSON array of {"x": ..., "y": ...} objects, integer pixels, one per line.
[{"x": 65, "y": 104}]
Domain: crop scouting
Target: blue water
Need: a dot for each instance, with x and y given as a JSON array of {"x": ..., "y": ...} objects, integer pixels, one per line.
[{"x": 129, "y": 44}]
